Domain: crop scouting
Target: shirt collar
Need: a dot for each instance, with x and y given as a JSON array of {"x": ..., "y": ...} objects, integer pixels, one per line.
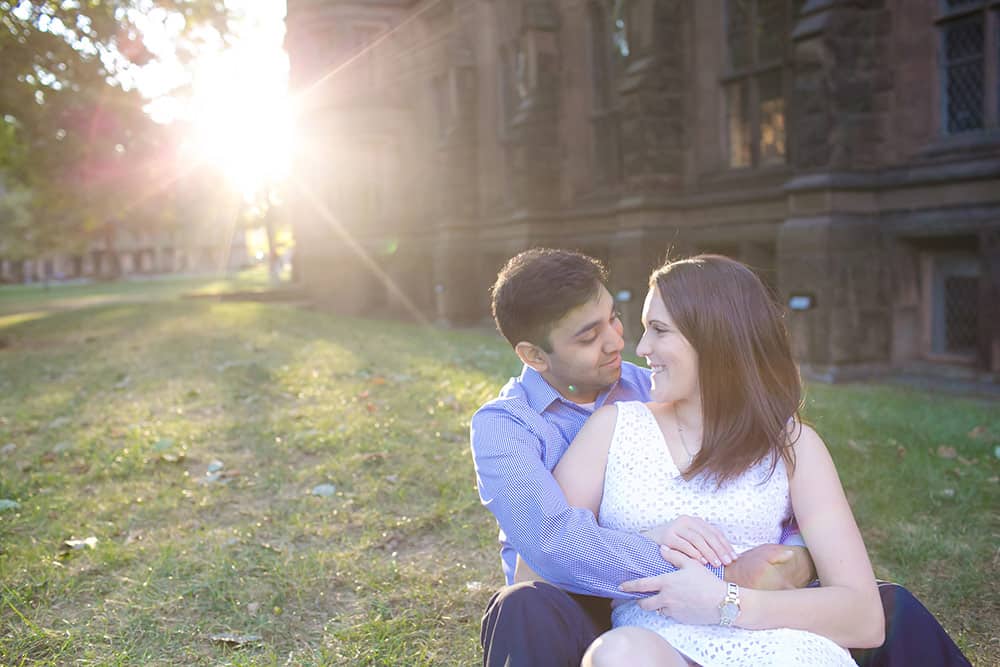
[{"x": 540, "y": 394}]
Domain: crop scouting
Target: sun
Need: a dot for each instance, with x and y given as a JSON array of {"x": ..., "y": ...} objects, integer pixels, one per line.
[
  {"x": 242, "y": 119},
  {"x": 233, "y": 101}
]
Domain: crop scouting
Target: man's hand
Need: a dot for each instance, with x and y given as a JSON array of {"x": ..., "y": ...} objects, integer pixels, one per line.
[
  {"x": 691, "y": 594},
  {"x": 695, "y": 538},
  {"x": 772, "y": 567}
]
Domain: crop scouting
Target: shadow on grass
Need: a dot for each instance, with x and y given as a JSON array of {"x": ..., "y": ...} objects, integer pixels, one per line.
[
  {"x": 285, "y": 399},
  {"x": 395, "y": 566}
]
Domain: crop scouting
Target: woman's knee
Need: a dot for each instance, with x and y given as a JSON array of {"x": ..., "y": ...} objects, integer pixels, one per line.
[{"x": 629, "y": 647}]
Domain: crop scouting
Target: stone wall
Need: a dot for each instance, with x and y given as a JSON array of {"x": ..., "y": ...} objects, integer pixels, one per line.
[{"x": 494, "y": 114}]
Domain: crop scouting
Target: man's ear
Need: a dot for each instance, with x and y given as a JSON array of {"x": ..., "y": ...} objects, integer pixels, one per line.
[{"x": 532, "y": 355}]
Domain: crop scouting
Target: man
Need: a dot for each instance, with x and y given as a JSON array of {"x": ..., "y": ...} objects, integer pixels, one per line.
[{"x": 553, "y": 308}]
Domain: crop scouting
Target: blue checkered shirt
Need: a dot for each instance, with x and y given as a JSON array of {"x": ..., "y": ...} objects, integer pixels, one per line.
[{"x": 517, "y": 439}]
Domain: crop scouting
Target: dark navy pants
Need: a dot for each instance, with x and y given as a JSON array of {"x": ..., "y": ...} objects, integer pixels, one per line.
[{"x": 536, "y": 624}]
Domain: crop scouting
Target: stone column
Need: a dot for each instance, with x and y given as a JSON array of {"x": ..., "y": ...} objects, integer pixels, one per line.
[
  {"x": 651, "y": 96},
  {"x": 836, "y": 260},
  {"x": 634, "y": 255},
  {"x": 989, "y": 297},
  {"x": 455, "y": 257},
  {"x": 534, "y": 132},
  {"x": 831, "y": 247},
  {"x": 841, "y": 84}
]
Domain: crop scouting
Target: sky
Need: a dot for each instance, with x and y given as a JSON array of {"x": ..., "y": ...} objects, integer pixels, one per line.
[{"x": 252, "y": 57}]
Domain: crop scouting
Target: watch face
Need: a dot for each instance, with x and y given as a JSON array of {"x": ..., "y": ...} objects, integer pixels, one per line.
[{"x": 728, "y": 613}]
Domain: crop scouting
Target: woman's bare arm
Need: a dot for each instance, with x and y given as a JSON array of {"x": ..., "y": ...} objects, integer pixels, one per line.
[
  {"x": 847, "y": 607},
  {"x": 580, "y": 471}
]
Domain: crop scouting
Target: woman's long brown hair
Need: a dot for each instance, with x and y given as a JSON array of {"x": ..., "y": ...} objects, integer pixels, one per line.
[{"x": 750, "y": 387}]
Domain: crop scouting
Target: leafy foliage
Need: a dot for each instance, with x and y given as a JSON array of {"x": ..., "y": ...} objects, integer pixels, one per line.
[{"x": 72, "y": 127}]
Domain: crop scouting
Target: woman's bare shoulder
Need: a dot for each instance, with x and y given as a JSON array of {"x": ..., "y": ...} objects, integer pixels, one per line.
[{"x": 602, "y": 420}]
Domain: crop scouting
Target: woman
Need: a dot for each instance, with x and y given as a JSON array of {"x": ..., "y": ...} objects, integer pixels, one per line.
[{"x": 722, "y": 453}]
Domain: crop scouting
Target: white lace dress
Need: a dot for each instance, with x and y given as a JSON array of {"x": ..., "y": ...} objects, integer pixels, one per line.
[{"x": 643, "y": 488}]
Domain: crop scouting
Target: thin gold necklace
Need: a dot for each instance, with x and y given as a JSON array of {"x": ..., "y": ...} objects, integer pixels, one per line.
[{"x": 680, "y": 432}]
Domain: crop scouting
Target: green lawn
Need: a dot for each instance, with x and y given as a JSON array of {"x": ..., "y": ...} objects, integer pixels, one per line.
[
  {"x": 112, "y": 414},
  {"x": 41, "y": 297}
]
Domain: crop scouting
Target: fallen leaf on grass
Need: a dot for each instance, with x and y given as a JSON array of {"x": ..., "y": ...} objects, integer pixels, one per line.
[
  {"x": 74, "y": 545},
  {"x": 48, "y": 457},
  {"x": 979, "y": 432},
  {"x": 8, "y": 504},
  {"x": 324, "y": 490},
  {"x": 163, "y": 447},
  {"x": 252, "y": 608},
  {"x": 900, "y": 452},
  {"x": 946, "y": 452},
  {"x": 235, "y": 639}
]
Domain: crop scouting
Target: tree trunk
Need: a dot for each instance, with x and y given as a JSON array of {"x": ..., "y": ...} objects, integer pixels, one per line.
[
  {"x": 110, "y": 245},
  {"x": 273, "y": 261}
]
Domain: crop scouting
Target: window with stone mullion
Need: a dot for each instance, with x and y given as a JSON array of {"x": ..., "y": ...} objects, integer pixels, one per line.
[
  {"x": 757, "y": 44},
  {"x": 970, "y": 65}
]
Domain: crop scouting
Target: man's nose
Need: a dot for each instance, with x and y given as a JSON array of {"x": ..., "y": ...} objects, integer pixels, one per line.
[{"x": 613, "y": 342}]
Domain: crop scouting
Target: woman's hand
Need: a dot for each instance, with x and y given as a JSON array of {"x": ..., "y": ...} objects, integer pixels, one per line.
[
  {"x": 695, "y": 538},
  {"x": 690, "y": 595}
]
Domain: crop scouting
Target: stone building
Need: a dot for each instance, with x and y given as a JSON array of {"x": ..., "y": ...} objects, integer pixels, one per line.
[{"x": 850, "y": 151}]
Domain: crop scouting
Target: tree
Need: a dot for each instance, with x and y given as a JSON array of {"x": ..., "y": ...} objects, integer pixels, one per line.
[{"x": 72, "y": 128}]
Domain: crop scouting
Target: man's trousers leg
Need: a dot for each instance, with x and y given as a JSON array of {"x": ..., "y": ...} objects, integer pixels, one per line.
[
  {"x": 535, "y": 623},
  {"x": 912, "y": 635}
]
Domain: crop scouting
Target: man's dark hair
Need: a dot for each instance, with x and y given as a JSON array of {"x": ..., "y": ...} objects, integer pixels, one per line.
[{"x": 538, "y": 287}]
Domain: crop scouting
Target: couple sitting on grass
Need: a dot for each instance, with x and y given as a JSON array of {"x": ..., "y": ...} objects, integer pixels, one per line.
[{"x": 669, "y": 518}]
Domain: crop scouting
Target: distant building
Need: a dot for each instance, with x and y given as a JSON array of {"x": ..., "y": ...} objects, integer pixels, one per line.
[
  {"x": 848, "y": 150},
  {"x": 133, "y": 253},
  {"x": 193, "y": 227}
]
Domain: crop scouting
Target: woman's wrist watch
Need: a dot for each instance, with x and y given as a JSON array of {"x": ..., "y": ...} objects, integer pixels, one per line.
[{"x": 729, "y": 608}]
